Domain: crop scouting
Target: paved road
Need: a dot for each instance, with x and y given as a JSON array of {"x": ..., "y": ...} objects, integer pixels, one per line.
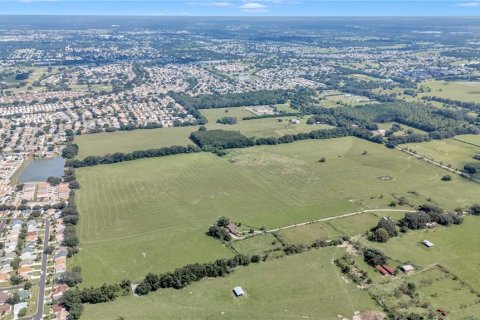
[{"x": 41, "y": 282}]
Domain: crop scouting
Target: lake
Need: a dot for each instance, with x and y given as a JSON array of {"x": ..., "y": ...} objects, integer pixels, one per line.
[{"x": 41, "y": 169}]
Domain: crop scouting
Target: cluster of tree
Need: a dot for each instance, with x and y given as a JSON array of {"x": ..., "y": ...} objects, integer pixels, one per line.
[
  {"x": 440, "y": 124},
  {"x": 220, "y": 139},
  {"x": 72, "y": 301},
  {"x": 468, "y": 168},
  {"x": 302, "y": 98},
  {"x": 72, "y": 277},
  {"x": 227, "y": 120},
  {"x": 466, "y": 105},
  {"x": 374, "y": 257},
  {"x": 428, "y": 213},
  {"x": 385, "y": 229},
  {"x": 184, "y": 276},
  {"x": 219, "y": 231},
  {"x": 105, "y": 293},
  {"x": 475, "y": 209},
  {"x": 120, "y": 156},
  {"x": 408, "y": 289},
  {"x": 70, "y": 151},
  {"x": 74, "y": 298},
  {"x": 54, "y": 181},
  {"x": 69, "y": 175},
  {"x": 212, "y": 101},
  {"x": 22, "y": 76},
  {"x": 393, "y": 141},
  {"x": 347, "y": 265}
]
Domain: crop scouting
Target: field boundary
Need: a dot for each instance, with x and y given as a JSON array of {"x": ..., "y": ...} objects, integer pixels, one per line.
[{"x": 351, "y": 214}]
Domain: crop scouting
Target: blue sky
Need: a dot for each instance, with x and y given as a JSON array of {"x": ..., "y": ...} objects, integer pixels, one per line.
[{"x": 243, "y": 7}]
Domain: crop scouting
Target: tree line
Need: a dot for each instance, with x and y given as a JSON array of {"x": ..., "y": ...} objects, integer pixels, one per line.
[
  {"x": 466, "y": 105},
  {"x": 134, "y": 155}
]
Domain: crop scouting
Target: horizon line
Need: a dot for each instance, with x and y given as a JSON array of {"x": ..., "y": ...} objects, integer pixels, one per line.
[{"x": 237, "y": 16}]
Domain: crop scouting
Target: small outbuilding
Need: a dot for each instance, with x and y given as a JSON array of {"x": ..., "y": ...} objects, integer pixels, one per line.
[
  {"x": 238, "y": 291},
  {"x": 232, "y": 229},
  {"x": 407, "y": 268},
  {"x": 427, "y": 243}
]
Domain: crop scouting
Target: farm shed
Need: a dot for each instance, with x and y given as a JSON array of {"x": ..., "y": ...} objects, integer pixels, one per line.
[
  {"x": 427, "y": 243},
  {"x": 389, "y": 269},
  {"x": 232, "y": 228},
  {"x": 407, "y": 268},
  {"x": 238, "y": 291},
  {"x": 382, "y": 270}
]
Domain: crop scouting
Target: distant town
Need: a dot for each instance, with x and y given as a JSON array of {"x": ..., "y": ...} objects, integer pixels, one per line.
[{"x": 234, "y": 85}]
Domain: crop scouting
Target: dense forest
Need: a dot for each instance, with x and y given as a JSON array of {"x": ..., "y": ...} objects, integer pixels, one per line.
[{"x": 212, "y": 101}]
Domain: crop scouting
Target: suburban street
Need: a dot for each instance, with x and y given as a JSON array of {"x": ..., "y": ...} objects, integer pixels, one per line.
[{"x": 41, "y": 283}]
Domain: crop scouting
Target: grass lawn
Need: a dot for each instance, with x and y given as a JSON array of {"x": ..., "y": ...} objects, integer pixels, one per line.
[
  {"x": 303, "y": 286},
  {"x": 151, "y": 215},
  {"x": 127, "y": 141},
  {"x": 450, "y": 151},
  {"x": 455, "y": 249},
  {"x": 470, "y": 138},
  {"x": 257, "y": 244},
  {"x": 456, "y": 90},
  {"x": 309, "y": 233}
]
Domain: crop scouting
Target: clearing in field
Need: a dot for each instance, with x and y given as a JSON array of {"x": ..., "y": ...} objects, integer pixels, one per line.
[
  {"x": 304, "y": 286},
  {"x": 151, "y": 215}
]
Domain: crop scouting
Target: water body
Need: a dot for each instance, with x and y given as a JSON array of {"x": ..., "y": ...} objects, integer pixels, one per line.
[{"x": 40, "y": 169}]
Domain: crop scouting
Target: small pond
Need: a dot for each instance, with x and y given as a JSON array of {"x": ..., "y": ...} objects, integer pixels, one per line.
[{"x": 40, "y": 169}]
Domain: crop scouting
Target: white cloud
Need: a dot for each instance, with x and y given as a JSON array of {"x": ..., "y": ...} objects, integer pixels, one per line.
[
  {"x": 211, "y": 3},
  {"x": 469, "y": 4},
  {"x": 221, "y": 4},
  {"x": 253, "y": 7}
]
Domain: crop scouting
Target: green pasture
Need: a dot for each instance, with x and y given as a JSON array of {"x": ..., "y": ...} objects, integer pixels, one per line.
[
  {"x": 304, "y": 286},
  {"x": 127, "y": 141},
  {"x": 456, "y": 152},
  {"x": 456, "y": 90},
  {"x": 151, "y": 215}
]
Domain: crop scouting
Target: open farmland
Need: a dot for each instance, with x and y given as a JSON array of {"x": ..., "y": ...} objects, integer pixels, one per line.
[
  {"x": 152, "y": 214},
  {"x": 127, "y": 141},
  {"x": 294, "y": 287},
  {"x": 452, "y": 152},
  {"x": 455, "y": 90}
]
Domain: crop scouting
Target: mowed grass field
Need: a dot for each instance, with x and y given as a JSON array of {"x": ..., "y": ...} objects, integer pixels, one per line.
[
  {"x": 456, "y": 249},
  {"x": 127, "y": 141},
  {"x": 455, "y": 90},
  {"x": 458, "y": 151},
  {"x": 151, "y": 215},
  {"x": 304, "y": 286}
]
